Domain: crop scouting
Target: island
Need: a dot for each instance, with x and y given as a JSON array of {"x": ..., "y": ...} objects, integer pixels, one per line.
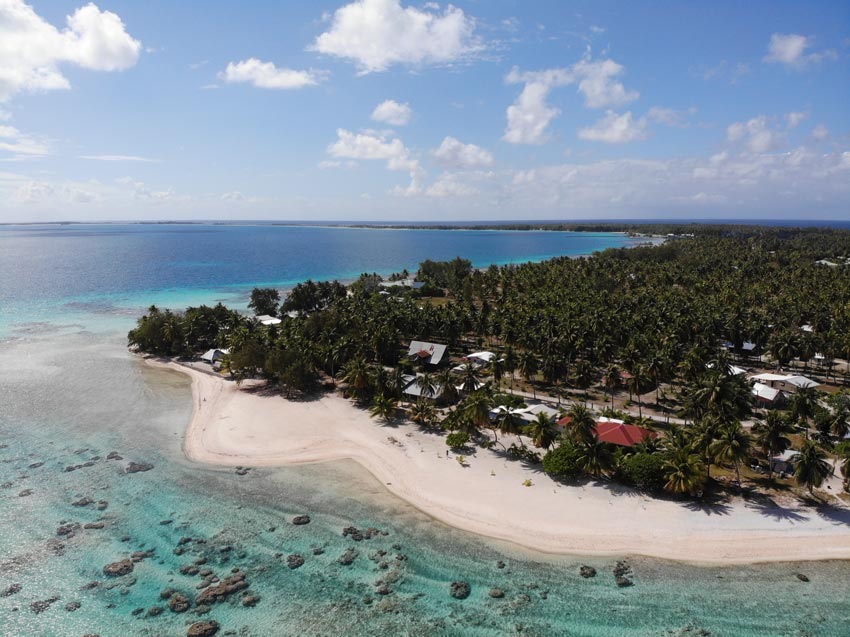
[{"x": 687, "y": 400}]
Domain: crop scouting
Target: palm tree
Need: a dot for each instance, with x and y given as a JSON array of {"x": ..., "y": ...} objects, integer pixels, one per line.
[
  {"x": 528, "y": 366},
  {"x": 684, "y": 472},
  {"x": 475, "y": 410},
  {"x": 581, "y": 426},
  {"x": 732, "y": 445},
  {"x": 583, "y": 376},
  {"x": 594, "y": 457},
  {"x": 511, "y": 363},
  {"x": 636, "y": 382},
  {"x": 427, "y": 385},
  {"x": 772, "y": 436},
  {"x": 357, "y": 376},
  {"x": 803, "y": 406},
  {"x": 383, "y": 407},
  {"x": 612, "y": 381},
  {"x": 542, "y": 431},
  {"x": 423, "y": 413},
  {"x": 446, "y": 380},
  {"x": 703, "y": 437},
  {"x": 470, "y": 379},
  {"x": 845, "y": 468},
  {"x": 811, "y": 468}
]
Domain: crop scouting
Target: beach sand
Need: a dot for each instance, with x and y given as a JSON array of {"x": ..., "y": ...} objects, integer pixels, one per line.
[{"x": 248, "y": 426}]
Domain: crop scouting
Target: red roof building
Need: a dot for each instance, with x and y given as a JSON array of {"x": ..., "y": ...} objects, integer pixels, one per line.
[{"x": 619, "y": 433}]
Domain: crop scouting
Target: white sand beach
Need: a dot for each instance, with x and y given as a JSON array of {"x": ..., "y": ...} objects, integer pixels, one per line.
[{"x": 246, "y": 426}]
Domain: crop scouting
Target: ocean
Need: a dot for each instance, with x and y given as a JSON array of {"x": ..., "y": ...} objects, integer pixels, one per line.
[{"x": 76, "y": 408}]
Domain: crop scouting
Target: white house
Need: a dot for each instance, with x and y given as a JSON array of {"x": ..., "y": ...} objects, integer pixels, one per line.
[
  {"x": 430, "y": 353},
  {"x": 214, "y": 355},
  {"x": 265, "y": 319}
]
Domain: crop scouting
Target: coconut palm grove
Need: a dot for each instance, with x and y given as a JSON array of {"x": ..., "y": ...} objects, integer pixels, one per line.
[{"x": 677, "y": 348}]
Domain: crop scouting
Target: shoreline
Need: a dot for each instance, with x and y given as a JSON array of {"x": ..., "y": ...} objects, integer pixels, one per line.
[{"x": 232, "y": 426}]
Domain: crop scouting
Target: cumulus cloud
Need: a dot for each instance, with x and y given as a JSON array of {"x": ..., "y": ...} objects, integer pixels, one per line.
[
  {"x": 615, "y": 129},
  {"x": 790, "y": 49},
  {"x": 455, "y": 154},
  {"x": 267, "y": 75},
  {"x": 450, "y": 185},
  {"x": 115, "y": 158},
  {"x": 796, "y": 118},
  {"x": 755, "y": 134},
  {"x": 596, "y": 82},
  {"x": 371, "y": 145},
  {"x": 670, "y": 116},
  {"x": 530, "y": 115},
  {"x": 32, "y": 49},
  {"x": 392, "y": 113},
  {"x": 820, "y": 132},
  {"x": 377, "y": 34}
]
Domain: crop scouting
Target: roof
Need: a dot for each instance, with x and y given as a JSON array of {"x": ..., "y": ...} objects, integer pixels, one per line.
[
  {"x": 619, "y": 433},
  {"x": 802, "y": 381},
  {"x": 429, "y": 352},
  {"x": 763, "y": 392},
  {"x": 415, "y": 389},
  {"x": 796, "y": 380},
  {"x": 266, "y": 319},
  {"x": 733, "y": 369},
  {"x": 214, "y": 354},
  {"x": 485, "y": 357},
  {"x": 770, "y": 377},
  {"x": 787, "y": 455}
]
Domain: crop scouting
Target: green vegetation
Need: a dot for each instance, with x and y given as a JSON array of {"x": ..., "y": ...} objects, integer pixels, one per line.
[{"x": 652, "y": 331}]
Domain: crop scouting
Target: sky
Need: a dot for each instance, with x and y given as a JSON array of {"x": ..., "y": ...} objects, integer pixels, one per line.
[{"x": 424, "y": 111}]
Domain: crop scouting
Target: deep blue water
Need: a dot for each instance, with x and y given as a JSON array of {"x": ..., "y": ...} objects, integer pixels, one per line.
[{"x": 49, "y": 269}]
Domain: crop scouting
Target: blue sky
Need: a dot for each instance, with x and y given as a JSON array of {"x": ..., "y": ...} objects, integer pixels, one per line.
[{"x": 384, "y": 110}]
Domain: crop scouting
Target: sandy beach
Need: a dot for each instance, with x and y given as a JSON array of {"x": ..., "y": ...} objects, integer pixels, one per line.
[{"x": 247, "y": 426}]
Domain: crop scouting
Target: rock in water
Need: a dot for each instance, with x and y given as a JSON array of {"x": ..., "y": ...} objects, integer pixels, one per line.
[
  {"x": 117, "y": 569},
  {"x": 497, "y": 593},
  {"x": 802, "y": 577},
  {"x": 587, "y": 571},
  {"x": 301, "y": 519},
  {"x": 202, "y": 629},
  {"x": 11, "y": 590},
  {"x": 136, "y": 467},
  {"x": 460, "y": 590},
  {"x": 178, "y": 603},
  {"x": 623, "y": 581},
  {"x": 294, "y": 561}
]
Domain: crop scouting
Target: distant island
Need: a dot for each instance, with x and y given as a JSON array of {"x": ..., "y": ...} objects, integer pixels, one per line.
[{"x": 709, "y": 373}]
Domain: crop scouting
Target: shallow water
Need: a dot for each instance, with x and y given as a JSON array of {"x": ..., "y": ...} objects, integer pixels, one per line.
[{"x": 70, "y": 394}]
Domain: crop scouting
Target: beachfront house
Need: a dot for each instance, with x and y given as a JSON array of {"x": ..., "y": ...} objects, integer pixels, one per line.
[
  {"x": 767, "y": 396},
  {"x": 214, "y": 355},
  {"x": 426, "y": 353},
  {"x": 402, "y": 283},
  {"x": 413, "y": 388},
  {"x": 527, "y": 414},
  {"x": 616, "y": 432}
]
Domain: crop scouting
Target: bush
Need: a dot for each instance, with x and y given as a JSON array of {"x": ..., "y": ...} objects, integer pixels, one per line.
[
  {"x": 457, "y": 439},
  {"x": 645, "y": 470},
  {"x": 524, "y": 453},
  {"x": 561, "y": 462},
  {"x": 508, "y": 400}
]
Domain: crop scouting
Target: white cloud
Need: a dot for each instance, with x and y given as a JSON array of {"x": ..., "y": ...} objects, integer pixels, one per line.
[
  {"x": 596, "y": 82},
  {"x": 450, "y": 185},
  {"x": 530, "y": 115},
  {"x": 796, "y": 118},
  {"x": 267, "y": 75},
  {"x": 16, "y": 142},
  {"x": 32, "y": 49},
  {"x": 790, "y": 49},
  {"x": 115, "y": 158},
  {"x": 755, "y": 133},
  {"x": 670, "y": 116},
  {"x": 455, "y": 154},
  {"x": 373, "y": 145},
  {"x": 820, "y": 132},
  {"x": 615, "y": 129},
  {"x": 392, "y": 113},
  {"x": 377, "y": 34}
]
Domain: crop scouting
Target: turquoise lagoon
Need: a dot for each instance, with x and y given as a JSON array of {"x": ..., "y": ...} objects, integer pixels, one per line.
[{"x": 70, "y": 395}]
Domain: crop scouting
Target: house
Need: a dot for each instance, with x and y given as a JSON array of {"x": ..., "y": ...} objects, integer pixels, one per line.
[
  {"x": 426, "y": 353},
  {"x": 265, "y": 319},
  {"x": 767, "y": 396},
  {"x": 414, "y": 389},
  {"x": 616, "y": 432},
  {"x": 785, "y": 382},
  {"x": 827, "y": 263},
  {"x": 214, "y": 355},
  {"x": 403, "y": 283},
  {"x": 528, "y": 414},
  {"x": 784, "y": 462},
  {"x": 480, "y": 358},
  {"x": 733, "y": 369}
]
